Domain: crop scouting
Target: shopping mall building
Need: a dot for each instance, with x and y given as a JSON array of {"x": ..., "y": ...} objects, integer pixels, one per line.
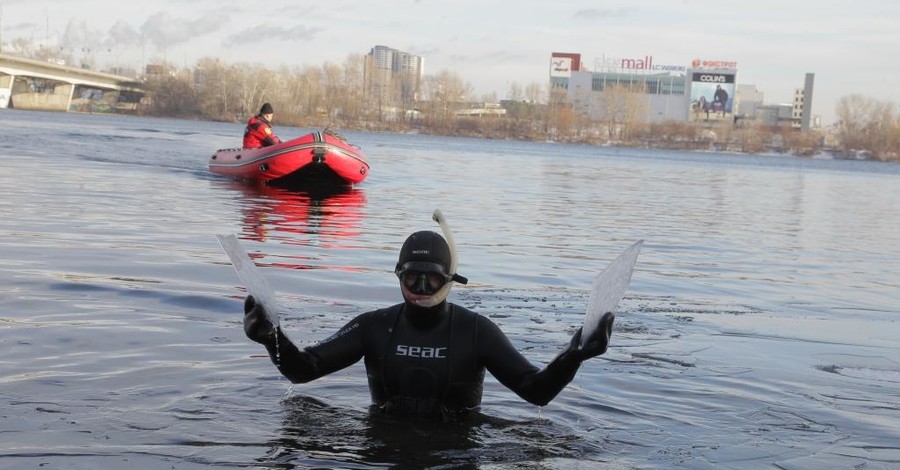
[{"x": 703, "y": 91}]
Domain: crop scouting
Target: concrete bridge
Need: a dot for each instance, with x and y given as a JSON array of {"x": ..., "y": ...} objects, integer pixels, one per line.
[{"x": 37, "y": 85}]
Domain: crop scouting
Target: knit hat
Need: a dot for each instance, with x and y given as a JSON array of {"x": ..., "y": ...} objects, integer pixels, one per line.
[{"x": 266, "y": 109}]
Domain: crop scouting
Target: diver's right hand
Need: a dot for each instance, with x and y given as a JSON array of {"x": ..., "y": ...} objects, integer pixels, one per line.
[
  {"x": 256, "y": 323},
  {"x": 596, "y": 345}
]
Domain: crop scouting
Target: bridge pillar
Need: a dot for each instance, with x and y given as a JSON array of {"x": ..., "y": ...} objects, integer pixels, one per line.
[
  {"x": 6, "y": 82},
  {"x": 57, "y": 98},
  {"x": 71, "y": 94}
]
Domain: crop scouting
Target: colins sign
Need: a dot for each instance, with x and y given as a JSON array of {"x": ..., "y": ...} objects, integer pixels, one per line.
[{"x": 712, "y": 77}]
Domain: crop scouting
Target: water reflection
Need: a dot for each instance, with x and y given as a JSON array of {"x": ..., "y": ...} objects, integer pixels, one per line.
[
  {"x": 315, "y": 434},
  {"x": 324, "y": 217}
]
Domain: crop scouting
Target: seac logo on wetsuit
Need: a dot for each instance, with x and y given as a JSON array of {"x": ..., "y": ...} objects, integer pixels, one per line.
[{"x": 426, "y": 352}]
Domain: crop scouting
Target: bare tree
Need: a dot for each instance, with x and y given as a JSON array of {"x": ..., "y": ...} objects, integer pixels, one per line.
[
  {"x": 352, "y": 86},
  {"x": 443, "y": 93},
  {"x": 214, "y": 93},
  {"x": 514, "y": 92},
  {"x": 802, "y": 143},
  {"x": 252, "y": 84},
  {"x": 172, "y": 95},
  {"x": 749, "y": 139},
  {"x": 869, "y": 125},
  {"x": 621, "y": 106},
  {"x": 854, "y": 113},
  {"x": 558, "y": 118}
]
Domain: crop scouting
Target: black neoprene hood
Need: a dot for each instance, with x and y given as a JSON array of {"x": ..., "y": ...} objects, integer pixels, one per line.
[{"x": 425, "y": 246}]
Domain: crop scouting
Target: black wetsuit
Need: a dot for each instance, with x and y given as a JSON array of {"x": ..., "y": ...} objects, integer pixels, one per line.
[{"x": 425, "y": 361}]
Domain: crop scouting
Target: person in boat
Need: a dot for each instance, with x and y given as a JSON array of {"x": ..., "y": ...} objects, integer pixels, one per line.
[
  {"x": 259, "y": 131},
  {"x": 425, "y": 356}
]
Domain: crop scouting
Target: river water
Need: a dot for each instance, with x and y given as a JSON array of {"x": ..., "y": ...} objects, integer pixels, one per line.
[{"x": 760, "y": 330}]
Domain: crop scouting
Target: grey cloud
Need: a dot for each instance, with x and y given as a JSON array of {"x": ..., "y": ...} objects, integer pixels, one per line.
[
  {"x": 23, "y": 27},
  {"x": 163, "y": 30},
  {"x": 600, "y": 13},
  {"x": 491, "y": 57},
  {"x": 269, "y": 32},
  {"x": 505, "y": 57},
  {"x": 77, "y": 36},
  {"x": 123, "y": 34},
  {"x": 424, "y": 52}
]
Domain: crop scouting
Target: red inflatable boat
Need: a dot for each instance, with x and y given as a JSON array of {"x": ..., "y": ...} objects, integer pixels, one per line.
[{"x": 316, "y": 159}]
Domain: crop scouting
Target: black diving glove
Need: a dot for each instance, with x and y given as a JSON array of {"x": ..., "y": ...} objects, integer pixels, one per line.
[
  {"x": 596, "y": 344},
  {"x": 256, "y": 323}
]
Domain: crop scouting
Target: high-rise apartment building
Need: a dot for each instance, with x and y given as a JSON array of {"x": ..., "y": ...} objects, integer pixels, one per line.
[{"x": 393, "y": 77}]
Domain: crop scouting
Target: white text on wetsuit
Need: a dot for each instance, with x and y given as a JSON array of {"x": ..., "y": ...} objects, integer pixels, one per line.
[{"x": 421, "y": 351}]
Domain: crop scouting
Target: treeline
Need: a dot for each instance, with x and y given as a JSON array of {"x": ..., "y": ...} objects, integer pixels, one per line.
[
  {"x": 341, "y": 97},
  {"x": 869, "y": 127}
]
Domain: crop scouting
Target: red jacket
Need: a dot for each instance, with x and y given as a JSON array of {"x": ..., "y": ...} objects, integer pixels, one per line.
[{"x": 259, "y": 133}]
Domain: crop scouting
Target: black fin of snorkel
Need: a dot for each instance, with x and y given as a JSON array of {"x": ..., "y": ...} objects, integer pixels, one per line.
[{"x": 459, "y": 279}]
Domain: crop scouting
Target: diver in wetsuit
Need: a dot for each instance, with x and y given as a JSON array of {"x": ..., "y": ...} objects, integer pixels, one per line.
[{"x": 425, "y": 356}]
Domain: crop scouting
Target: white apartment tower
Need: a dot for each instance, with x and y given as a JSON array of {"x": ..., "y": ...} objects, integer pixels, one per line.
[{"x": 393, "y": 77}]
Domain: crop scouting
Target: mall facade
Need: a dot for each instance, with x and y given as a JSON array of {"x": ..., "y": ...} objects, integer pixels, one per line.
[{"x": 654, "y": 91}]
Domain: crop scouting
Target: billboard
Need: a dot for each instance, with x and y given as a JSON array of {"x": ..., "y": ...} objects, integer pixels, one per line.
[
  {"x": 713, "y": 64},
  {"x": 560, "y": 67},
  {"x": 562, "y": 64},
  {"x": 712, "y": 93},
  {"x": 631, "y": 65}
]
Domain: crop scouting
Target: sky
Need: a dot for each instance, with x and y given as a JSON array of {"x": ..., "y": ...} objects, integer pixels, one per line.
[{"x": 851, "y": 47}]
